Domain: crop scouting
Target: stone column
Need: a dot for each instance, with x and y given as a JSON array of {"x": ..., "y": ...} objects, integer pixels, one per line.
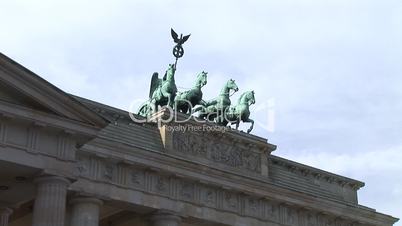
[
  {"x": 50, "y": 201},
  {"x": 85, "y": 211},
  {"x": 5, "y": 215},
  {"x": 165, "y": 218}
]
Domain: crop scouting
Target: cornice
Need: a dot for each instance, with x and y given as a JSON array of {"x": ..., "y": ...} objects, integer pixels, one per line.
[
  {"x": 308, "y": 171},
  {"x": 43, "y": 119}
]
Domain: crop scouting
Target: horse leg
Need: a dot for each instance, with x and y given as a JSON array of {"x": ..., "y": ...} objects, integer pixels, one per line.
[
  {"x": 184, "y": 109},
  {"x": 219, "y": 118},
  {"x": 171, "y": 100},
  {"x": 169, "y": 97},
  {"x": 152, "y": 106},
  {"x": 252, "y": 124},
  {"x": 196, "y": 109},
  {"x": 164, "y": 94},
  {"x": 235, "y": 122}
]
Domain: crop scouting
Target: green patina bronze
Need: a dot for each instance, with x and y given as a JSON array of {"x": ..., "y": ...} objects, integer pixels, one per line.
[
  {"x": 241, "y": 111},
  {"x": 186, "y": 100},
  {"x": 214, "y": 110},
  {"x": 178, "y": 50},
  {"x": 163, "y": 92}
]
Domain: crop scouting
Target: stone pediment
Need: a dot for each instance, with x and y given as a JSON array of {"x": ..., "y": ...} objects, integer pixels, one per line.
[{"x": 20, "y": 87}]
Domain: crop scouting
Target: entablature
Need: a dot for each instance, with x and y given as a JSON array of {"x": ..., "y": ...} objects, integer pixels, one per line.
[{"x": 204, "y": 188}]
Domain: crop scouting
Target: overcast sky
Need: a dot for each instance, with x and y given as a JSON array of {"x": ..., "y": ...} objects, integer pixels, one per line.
[{"x": 330, "y": 70}]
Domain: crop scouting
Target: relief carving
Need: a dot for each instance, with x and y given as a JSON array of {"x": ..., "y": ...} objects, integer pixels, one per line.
[
  {"x": 229, "y": 156},
  {"x": 82, "y": 167},
  {"x": 272, "y": 211},
  {"x": 211, "y": 148},
  {"x": 108, "y": 172},
  {"x": 209, "y": 197},
  {"x": 253, "y": 204},
  {"x": 311, "y": 220},
  {"x": 191, "y": 144},
  {"x": 230, "y": 201},
  {"x": 161, "y": 184},
  {"x": 253, "y": 207},
  {"x": 187, "y": 191},
  {"x": 291, "y": 216},
  {"x": 327, "y": 221},
  {"x": 251, "y": 161},
  {"x": 136, "y": 177}
]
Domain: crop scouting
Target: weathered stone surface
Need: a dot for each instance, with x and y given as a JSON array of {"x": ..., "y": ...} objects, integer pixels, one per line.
[
  {"x": 313, "y": 181},
  {"x": 220, "y": 195},
  {"x": 213, "y": 148}
]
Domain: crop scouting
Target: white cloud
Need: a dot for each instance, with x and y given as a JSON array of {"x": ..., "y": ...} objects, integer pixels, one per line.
[
  {"x": 380, "y": 169},
  {"x": 363, "y": 163}
]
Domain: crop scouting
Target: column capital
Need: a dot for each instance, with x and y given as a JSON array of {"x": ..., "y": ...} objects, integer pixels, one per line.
[
  {"x": 164, "y": 217},
  {"x": 51, "y": 179},
  {"x": 5, "y": 211},
  {"x": 85, "y": 199},
  {"x": 5, "y": 215}
]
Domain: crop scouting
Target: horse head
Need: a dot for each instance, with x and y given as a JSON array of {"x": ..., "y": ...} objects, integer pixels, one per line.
[
  {"x": 247, "y": 98},
  {"x": 169, "y": 72},
  {"x": 202, "y": 79},
  {"x": 250, "y": 97},
  {"x": 231, "y": 84}
]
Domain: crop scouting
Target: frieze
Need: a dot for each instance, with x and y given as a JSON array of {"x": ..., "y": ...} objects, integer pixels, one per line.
[
  {"x": 82, "y": 166},
  {"x": 311, "y": 219},
  {"x": 212, "y": 148},
  {"x": 108, "y": 172},
  {"x": 230, "y": 201},
  {"x": 208, "y": 196},
  {"x": 291, "y": 217},
  {"x": 186, "y": 190},
  {"x": 202, "y": 194},
  {"x": 271, "y": 210},
  {"x": 253, "y": 207},
  {"x": 137, "y": 178},
  {"x": 161, "y": 184}
]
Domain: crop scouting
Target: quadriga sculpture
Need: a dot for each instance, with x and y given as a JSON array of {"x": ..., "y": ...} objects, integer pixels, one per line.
[
  {"x": 162, "y": 92},
  {"x": 186, "y": 100},
  {"x": 213, "y": 110},
  {"x": 241, "y": 111}
]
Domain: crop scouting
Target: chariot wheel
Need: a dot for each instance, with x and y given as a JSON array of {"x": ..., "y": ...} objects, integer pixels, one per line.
[{"x": 144, "y": 110}]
